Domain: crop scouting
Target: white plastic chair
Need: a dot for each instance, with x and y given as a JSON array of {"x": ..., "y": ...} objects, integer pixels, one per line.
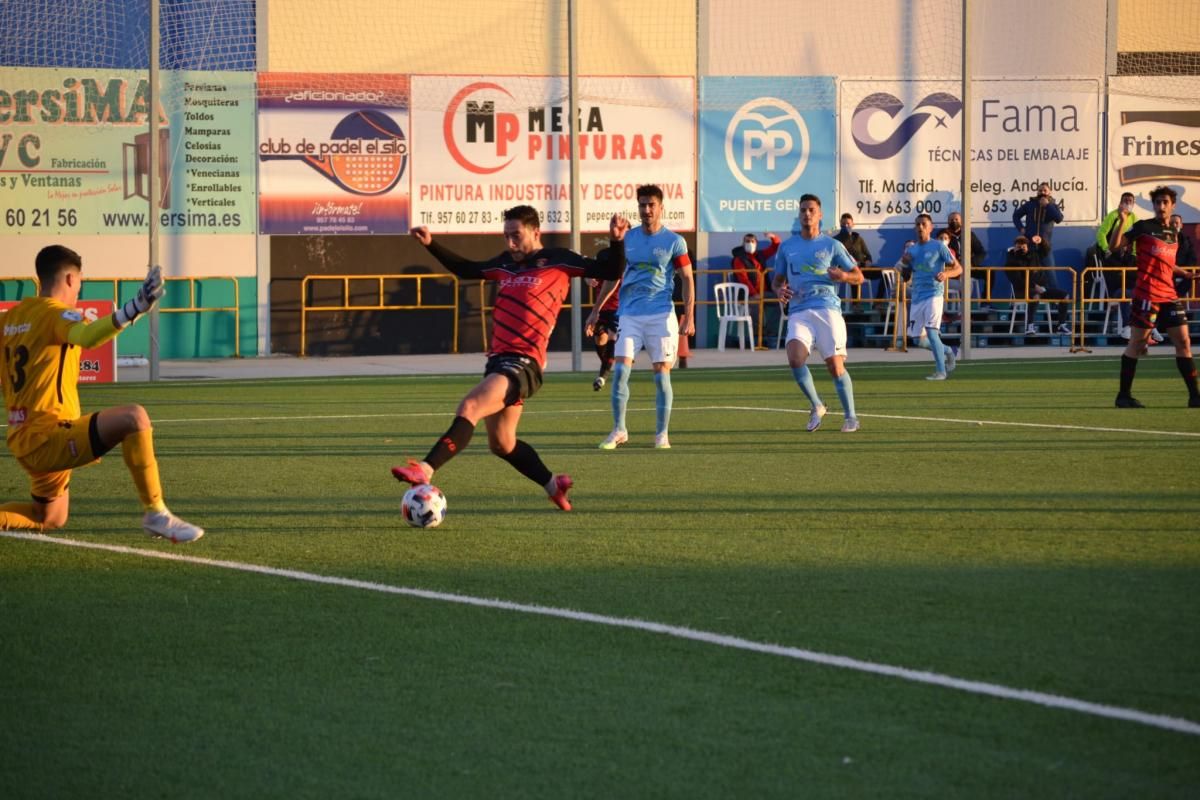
[
  {"x": 1022, "y": 308},
  {"x": 888, "y": 276},
  {"x": 733, "y": 305}
]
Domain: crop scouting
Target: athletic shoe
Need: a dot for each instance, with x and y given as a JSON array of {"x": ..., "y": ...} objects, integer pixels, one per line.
[
  {"x": 412, "y": 473},
  {"x": 937, "y": 376},
  {"x": 814, "y": 418},
  {"x": 850, "y": 425},
  {"x": 1155, "y": 335},
  {"x": 1128, "y": 401},
  {"x": 1031, "y": 330},
  {"x": 661, "y": 442},
  {"x": 1125, "y": 333},
  {"x": 614, "y": 439},
  {"x": 951, "y": 359},
  {"x": 598, "y": 384},
  {"x": 563, "y": 484},
  {"x": 165, "y": 525},
  {"x": 1065, "y": 329}
]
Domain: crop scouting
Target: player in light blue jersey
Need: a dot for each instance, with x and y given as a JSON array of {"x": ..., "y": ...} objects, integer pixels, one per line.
[
  {"x": 932, "y": 264},
  {"x": 808, "y": 268},
  {"x": 647, "y": 314}
]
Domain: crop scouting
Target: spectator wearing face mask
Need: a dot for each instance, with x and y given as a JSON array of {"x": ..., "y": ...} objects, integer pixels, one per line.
[
  {"x": 857, "y": 248},
  {"x": 954, "y": 229},
  {"x": 750, "y": 262}
]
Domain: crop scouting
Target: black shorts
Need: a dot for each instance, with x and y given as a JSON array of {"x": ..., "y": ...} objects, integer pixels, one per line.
[
  {"x": 1164, "y": 316},
  {"x": 607, "y": 321},
  {"x": 523, "y": 373}
]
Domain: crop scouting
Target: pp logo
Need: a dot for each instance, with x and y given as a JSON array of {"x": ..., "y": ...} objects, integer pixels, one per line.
[
  {"x": 936, "y": 106},
  {"x": 765, "y": 137}
]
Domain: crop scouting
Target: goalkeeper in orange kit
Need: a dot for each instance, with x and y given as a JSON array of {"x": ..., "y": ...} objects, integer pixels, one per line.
[{"x": 40, "y": 342}]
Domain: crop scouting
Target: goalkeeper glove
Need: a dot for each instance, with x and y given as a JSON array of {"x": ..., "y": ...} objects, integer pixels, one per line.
[{"x": 147, "y": 295}]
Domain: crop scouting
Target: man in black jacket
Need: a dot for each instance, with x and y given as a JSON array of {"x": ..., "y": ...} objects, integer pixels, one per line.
[{"x": 1031, "y": 285}]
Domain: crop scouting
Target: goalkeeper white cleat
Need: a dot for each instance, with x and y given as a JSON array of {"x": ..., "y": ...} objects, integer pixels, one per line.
[{"x": 165, "y": 525}]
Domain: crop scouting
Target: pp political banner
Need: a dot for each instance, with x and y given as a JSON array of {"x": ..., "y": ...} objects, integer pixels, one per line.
[
  {"x": 75, "y": 152},
  {"x": 486, "y": 144},
  {"x": 901, "y": 148},
  {"x": 334, "y": 153},
  {"x": 763, "y": 143},
  {"x": 1153, "y": 141}
]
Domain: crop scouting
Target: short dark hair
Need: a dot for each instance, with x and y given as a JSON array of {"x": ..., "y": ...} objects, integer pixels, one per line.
[
  {"x": 1127, "y": 194},
  {"x": 1163, "y": 191},
  {"x": 847, "y": 216},
  {"x": 813, "y": 197},
  {"x": 50, "y": 260},
  {"x": 649, "y": 190},
  {"x": 526, "y": 215},
  {"x": 1020, "y": 240},
  {"x": 924, "y": 216}
]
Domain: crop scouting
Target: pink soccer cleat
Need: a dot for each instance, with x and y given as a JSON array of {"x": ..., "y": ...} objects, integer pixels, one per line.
[
  {"x": 563, "y": 484},
  {"x": 412, "y": 473}
]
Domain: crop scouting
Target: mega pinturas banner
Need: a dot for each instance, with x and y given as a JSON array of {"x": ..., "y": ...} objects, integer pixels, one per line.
[
  {"x": 75, "y": 152},
  {"x": 487, "y": 143},
  {"x": 1151, "y": 142},
  {"x": 900, "y": 146},
  {"x": 333, "y": 153},
  {"x": 763, "y": 143}
]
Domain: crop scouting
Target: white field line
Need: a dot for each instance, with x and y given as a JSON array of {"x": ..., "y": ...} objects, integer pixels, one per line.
[
  {"x": 605, "y": 410},
  {"x": 1161, "y": 721}
]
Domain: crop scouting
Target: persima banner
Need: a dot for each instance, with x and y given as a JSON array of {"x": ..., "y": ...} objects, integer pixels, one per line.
[
  {"x": 333, "y": 153},
  {"x": 901, "y": 148},
  {"x": 1151, "y": 142},
  {"x": 489, "y": 143},
  {"x": 74, "y": 152},
  {"x": 763, "y": 143}
]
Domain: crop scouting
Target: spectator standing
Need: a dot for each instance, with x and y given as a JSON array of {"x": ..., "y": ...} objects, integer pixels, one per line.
[{"x": 1035, "y": 219}]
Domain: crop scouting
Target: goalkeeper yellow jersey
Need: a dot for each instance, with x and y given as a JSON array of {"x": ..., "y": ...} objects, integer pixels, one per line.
[{"x": 39, "y": 369}]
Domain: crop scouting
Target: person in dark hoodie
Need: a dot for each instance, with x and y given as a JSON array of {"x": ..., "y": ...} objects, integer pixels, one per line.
[{"x": 1035, "y": 220}]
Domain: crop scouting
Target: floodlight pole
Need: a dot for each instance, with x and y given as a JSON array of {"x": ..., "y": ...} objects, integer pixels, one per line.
[
  {"x": 573, "y": 116},
  {"x": 965, "y": 241},
  {"x": 153, "y": 155}
]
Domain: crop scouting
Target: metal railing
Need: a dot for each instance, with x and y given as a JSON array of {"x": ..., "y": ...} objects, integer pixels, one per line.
[
  {"x": 380, "y": 305},
  {"x": 191, "y": 308}
]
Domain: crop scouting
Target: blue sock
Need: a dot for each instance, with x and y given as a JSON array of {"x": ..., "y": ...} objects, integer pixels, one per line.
[
  {"x": 845, "y": 390},
  {"x": 939, "y": 349},
  {"x": 620, "y": 394},
  {"x": 805, "y": 382},
  {"x": 664, "y": 396}
]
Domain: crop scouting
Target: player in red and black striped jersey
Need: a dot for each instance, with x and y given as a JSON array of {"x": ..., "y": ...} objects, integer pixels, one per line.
[
  {"x": 534, "y": 282},
  {"x": 1155, "y": 303}
]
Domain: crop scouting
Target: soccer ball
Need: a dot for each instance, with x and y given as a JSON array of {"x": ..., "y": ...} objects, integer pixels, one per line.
[{"x": 423, "y": 506}]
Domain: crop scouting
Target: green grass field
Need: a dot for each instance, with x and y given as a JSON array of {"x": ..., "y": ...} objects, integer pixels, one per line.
[{"x": 1053, "y": 549}]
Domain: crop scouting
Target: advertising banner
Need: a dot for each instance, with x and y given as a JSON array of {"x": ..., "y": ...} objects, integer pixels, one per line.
[
  {"x": 333, "y": 153},
  {"x": 99, "y": 364},
  {"x": 763, "y": 143},
  {"x": 1153, "y": 141},
  {"x": 486, "y": 144},
  {"x": 75, "y": 152},
  {"x": 901, "y": 148}
]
